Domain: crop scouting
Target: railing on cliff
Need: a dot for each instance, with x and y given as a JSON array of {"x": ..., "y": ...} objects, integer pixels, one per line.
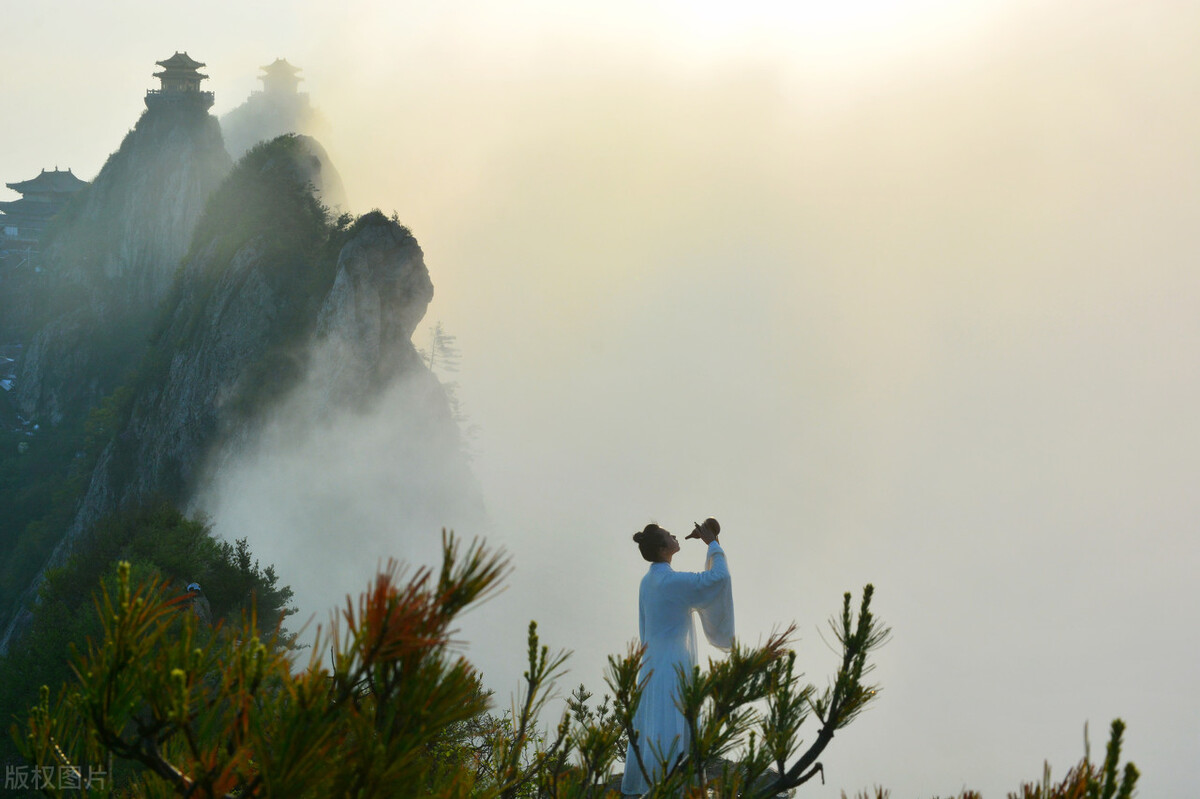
[{"x": 161, "y": 97}]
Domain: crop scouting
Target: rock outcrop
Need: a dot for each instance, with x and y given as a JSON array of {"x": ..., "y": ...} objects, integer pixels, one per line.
[
  {"x": 279, "y": 110},
  {"x": 251, "y": 320},
  {"x": 276, "y": 314},
  {"x": 110, "y": 258}
]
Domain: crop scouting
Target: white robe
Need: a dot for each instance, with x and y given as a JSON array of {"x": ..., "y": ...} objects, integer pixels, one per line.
[{"x": 665, "y": 604}]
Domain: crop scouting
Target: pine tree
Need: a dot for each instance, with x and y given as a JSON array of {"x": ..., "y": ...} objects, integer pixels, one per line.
[
  {"x": 444, "y": 358},
  {"x": 396, "y": 712}
]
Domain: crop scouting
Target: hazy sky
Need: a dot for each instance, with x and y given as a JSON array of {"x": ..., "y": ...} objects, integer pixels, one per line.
[{"x": 903, "y": 293}]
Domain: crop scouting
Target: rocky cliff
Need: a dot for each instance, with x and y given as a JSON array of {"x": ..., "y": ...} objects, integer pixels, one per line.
[
  {"x": 110, "y": 258},
  {"x": 275, "y": 313},
  {"x": 275, "y": 112}
]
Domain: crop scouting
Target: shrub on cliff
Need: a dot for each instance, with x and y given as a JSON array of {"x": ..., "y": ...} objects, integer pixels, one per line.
[{"x": 163, "y": 547}]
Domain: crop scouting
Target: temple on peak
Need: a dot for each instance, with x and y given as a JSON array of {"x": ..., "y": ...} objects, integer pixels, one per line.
[
  {"x": 280, "y": 77},
  {"x": 180, "y": 83}
]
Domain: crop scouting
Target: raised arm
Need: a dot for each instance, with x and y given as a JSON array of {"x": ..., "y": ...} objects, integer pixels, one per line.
[
  {"x": 698, "y": 589},
  {"x": 715, "y": 606}
]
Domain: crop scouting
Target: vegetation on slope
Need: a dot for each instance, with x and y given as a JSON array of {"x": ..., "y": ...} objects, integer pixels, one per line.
[
  {"x": 42, "y": 477},
  {"x": 161, "y": 545}
]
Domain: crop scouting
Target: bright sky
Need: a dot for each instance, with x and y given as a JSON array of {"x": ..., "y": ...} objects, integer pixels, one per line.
[{"x": 902, "y": 292}]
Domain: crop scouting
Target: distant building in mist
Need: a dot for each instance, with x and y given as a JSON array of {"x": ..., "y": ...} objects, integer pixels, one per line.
[
  {"x": 24, "y": 221},
  {"x": 180, "y": 84},
  {"x": 280, "y": 78},
  {"x": 278, "y": 108}
]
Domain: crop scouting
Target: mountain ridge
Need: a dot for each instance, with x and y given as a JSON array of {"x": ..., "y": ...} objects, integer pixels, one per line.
[{"x": 269, "y": 296}]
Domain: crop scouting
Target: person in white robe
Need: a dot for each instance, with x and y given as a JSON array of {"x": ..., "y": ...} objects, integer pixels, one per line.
[{"x": 666, "y": 602}]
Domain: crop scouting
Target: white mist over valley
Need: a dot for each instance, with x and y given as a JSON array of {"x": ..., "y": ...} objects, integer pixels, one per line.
[{"x": 903, "y": 294}]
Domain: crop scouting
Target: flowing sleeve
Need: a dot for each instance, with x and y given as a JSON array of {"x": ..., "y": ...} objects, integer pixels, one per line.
[
  {"x": 716, "y": 615},
  {"x": 710, "y": 594}
]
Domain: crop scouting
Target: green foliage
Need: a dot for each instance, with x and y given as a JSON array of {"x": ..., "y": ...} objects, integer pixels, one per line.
[
  {"x": 41, "y": 479},
  {"x": 162, "y": 546},
  {"x": 228, "y": 716},
  {"x": 43, "y": 474},
  {"x": 1085, "y": 780},
  {"x": 266, "y": 195},
  {"x": 395, "y": 712},
  {"x": 265, "y": 210},
  {"x": 103, "y": 423},
  {"x": 719, "y": 708}
]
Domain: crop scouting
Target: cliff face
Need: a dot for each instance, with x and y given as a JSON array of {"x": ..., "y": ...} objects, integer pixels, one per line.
[
  {"x": 237, "y": 348},
  {"x": 379, "y": 295},
  {"x": 110, "y": 258},
  {"x": 271, "y": 297},
  {"x": 128, "y": 232},
  {"x": 267, "y": 115},
  {"x": 277, "y": 321}
]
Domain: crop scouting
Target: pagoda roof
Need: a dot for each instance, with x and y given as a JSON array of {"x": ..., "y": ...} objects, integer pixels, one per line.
[
  {"x": 280, "y": 66},
  {"x": 180, "y": 61},
  {"x": 174, "y": 73},
  {"x": 55, "y": 182},
  {"x": 28, "y": 209}
]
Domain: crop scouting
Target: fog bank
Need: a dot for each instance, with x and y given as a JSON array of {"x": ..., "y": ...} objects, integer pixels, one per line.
[{"x": 914, "y": 308}]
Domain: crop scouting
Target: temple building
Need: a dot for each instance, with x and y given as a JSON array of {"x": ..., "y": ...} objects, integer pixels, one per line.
[
  {"x": 180, "y": 84},
  {"x": 278, "y": 108},
  {"x": 23, "y": 221},
  {"x": 280, "y": 77}
]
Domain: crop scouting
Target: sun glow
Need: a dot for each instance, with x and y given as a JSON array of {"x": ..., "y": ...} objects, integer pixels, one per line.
[{"x": 822, "y": 33}]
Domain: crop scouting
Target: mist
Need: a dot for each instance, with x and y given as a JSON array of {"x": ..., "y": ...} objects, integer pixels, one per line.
[
  {"x": 334, "y": 485},
  {"x": 914, "y": 308}
]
